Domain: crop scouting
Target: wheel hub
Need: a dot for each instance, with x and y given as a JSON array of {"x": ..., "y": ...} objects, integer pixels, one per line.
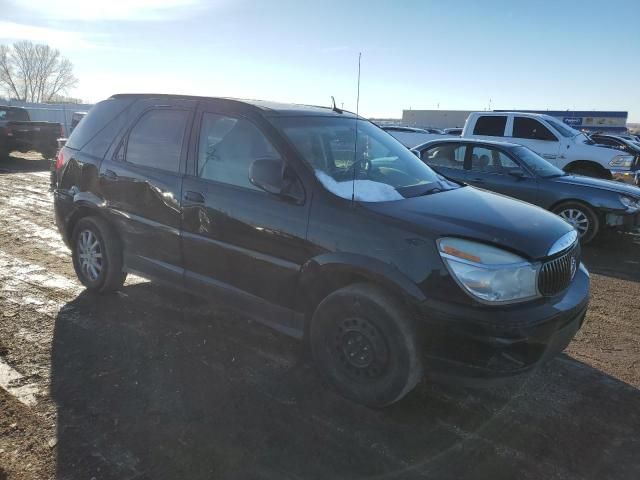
[
  {"x": 576, "y": 219},
  {"x": 89, "y": 255},
  {"x": 360, "y": 348}
]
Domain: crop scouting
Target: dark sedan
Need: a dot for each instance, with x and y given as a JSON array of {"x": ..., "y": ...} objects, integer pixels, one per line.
[{"x": 589, "y": 204}]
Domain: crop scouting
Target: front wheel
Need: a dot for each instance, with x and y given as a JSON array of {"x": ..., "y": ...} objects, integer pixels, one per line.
[
  {"x": 581, "y": 217},
  {"x": 97, "y": 255},
  {"x": 364, "y": 342}
]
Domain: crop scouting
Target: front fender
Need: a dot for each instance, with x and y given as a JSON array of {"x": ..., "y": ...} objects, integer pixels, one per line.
[{"x": 327, "y": 266}]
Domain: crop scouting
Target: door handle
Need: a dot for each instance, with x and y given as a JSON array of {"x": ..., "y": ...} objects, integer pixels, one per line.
[
  {"x": 195, "y": 197},
  {"x": 477, "y": 180},
  {"x": 110, "y": 174}
]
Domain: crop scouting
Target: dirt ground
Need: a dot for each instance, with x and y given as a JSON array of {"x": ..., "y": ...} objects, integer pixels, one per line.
[{"x": 153, "y": 384}]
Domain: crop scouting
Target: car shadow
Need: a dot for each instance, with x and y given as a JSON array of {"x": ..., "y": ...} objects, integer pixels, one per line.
[
  {"x": 15, "y": 163},
  {"x": 153, "y": 384},
  {"x": 615, "y": 255}
]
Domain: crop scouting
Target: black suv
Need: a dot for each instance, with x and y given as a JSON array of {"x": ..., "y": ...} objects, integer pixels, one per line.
[{"x": 323, "y": 226}]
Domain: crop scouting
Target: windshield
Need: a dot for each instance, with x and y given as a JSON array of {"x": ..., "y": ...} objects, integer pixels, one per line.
[
  {"x": 383, "y": 168},
  {"x": 536, "y": 163},
  {"x": 562, "y": 128}
]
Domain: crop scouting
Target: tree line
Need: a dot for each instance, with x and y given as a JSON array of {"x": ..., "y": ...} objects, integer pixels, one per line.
[{"x": 34, "y": 72}]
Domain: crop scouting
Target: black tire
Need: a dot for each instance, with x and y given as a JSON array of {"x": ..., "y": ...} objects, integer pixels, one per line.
[
  {"x": 49, "y": 154},
  {"x": 364, "y": 343},
  {"x": 576, "y": 214},
  {"x": 110, "y": 276}
]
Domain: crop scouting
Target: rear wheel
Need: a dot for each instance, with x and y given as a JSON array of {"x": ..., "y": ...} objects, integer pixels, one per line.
[
  {"x": 363, "y": 341},
  {"x": 581, "y": 217},
  {"x": 97, "y": 255}
]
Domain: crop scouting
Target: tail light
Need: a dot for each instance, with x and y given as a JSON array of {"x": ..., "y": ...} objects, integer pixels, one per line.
[
  {"x": 61, "y": 131},
  {"x": 9, "y": 131},
  {"x": 60, "y": 159}
]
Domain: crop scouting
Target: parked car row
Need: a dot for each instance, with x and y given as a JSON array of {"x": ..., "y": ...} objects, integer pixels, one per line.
[
  {"x": 599, "y": 156},
  {"x": 321, "y": 225}
]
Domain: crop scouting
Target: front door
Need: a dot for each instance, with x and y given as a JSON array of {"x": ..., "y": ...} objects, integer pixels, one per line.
[
  {"x": 447, "y": 159},
  {"x": 236, "y": 235},
  {"x": 492, "y": 169}
]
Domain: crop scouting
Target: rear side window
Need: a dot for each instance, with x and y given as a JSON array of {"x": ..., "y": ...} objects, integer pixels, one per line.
[
  {"x": 448, "y": 155},
  {"x": 13, "y": 115},
  {"x": 531, "y": 129},
  {"x": 96, "y": 120},
  {"x": 490, "y": 125},
  {"x": 156, "y": 139}
]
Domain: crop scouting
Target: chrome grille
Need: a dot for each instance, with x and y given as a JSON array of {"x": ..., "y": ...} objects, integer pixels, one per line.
[{"x": 556, "y": 275}]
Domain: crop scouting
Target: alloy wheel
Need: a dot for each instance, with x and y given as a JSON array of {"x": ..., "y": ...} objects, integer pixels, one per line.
[
  {"x": 577, "y": 219},
  {"x": 90, "y": 255}
]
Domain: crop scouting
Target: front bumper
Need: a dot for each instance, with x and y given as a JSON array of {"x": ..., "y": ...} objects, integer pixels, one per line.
[
  {"x": 622, "y": 221},
  {"x": 627, "y": 176},
  {"x": 472, "y": 345}
]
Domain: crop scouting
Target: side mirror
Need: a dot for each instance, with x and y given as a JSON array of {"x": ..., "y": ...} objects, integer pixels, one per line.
[
  {"x": 517, "y": 172},
  {"x": 273, "y": 176}
]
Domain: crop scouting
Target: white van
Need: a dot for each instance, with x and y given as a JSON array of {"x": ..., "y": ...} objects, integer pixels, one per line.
[{"x": 560, "y": 144}]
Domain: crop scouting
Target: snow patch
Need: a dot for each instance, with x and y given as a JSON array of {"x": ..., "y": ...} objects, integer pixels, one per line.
[{"x": 365, "y": 190}]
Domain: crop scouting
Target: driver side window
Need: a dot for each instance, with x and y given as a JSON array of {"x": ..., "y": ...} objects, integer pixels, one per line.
[{"x": 227, "y": 147}]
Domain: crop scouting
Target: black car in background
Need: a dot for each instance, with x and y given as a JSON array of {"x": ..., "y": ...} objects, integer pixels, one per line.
[
  {"x": 321, "y": 231},
  {"x": 589, "y": 204}
]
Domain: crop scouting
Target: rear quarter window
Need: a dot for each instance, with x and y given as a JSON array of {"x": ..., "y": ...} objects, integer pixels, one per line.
[
  {"x": 98, "y": 128},
  {"x": 490, "y": 125}
]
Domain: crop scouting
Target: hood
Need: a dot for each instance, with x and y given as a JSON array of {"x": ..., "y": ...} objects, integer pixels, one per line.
[
  {"x": 480, "y": 215},
  {"x": 608, "y": 185}
]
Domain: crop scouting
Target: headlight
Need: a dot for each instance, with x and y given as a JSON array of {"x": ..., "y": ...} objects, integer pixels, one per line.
[
  {"x": 489, "y": 274},
  {"x": 621, "y": 161},
  {"x": 631, "y": 204}
]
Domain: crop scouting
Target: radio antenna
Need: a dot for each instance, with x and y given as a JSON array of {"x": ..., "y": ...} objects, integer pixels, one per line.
[{"x": 355, "y": 148}]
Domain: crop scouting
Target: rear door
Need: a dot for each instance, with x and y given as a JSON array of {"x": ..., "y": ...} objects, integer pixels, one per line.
[
  {"x": 491, "y": 127},
  {"x": 491, "y": 168},
  {"x": 142, "y": 185},
  {"x": 447, "y": 159},
  {"x": 533, "y": 134},
  {"x": 235, "y": 235}
]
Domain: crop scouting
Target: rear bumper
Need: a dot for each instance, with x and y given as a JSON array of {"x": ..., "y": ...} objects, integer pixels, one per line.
[
  {"x": 475, "y": 345},
  {"x": 63, "y": 208}
]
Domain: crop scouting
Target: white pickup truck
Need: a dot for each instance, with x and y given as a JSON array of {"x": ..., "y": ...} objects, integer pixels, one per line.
[{"x": 557, "y": 142}]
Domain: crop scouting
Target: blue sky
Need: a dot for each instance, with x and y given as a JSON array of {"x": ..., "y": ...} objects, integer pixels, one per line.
[{"x": 415, "y": 54}]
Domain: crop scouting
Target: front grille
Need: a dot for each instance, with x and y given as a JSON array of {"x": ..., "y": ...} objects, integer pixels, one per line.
[{"x": 556, "y": 275}]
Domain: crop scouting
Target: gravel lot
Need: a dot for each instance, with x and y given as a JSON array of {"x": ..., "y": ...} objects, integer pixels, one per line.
[{"x": 153, "y": 384}]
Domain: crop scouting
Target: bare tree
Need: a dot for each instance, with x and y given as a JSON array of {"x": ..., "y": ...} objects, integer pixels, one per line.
[{"x": 34, "y": 72}]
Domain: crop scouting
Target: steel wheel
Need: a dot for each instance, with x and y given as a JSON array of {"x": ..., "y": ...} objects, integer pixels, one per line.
[
  {"x": 89, "y": 255},
  {"x": 361, "y": 349},
  {"x": 577, "y": 219}
]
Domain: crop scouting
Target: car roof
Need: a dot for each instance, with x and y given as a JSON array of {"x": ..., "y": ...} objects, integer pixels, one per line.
[
  {"x": 264, "y": 107},
  {"x": 467, "y": 140}
]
